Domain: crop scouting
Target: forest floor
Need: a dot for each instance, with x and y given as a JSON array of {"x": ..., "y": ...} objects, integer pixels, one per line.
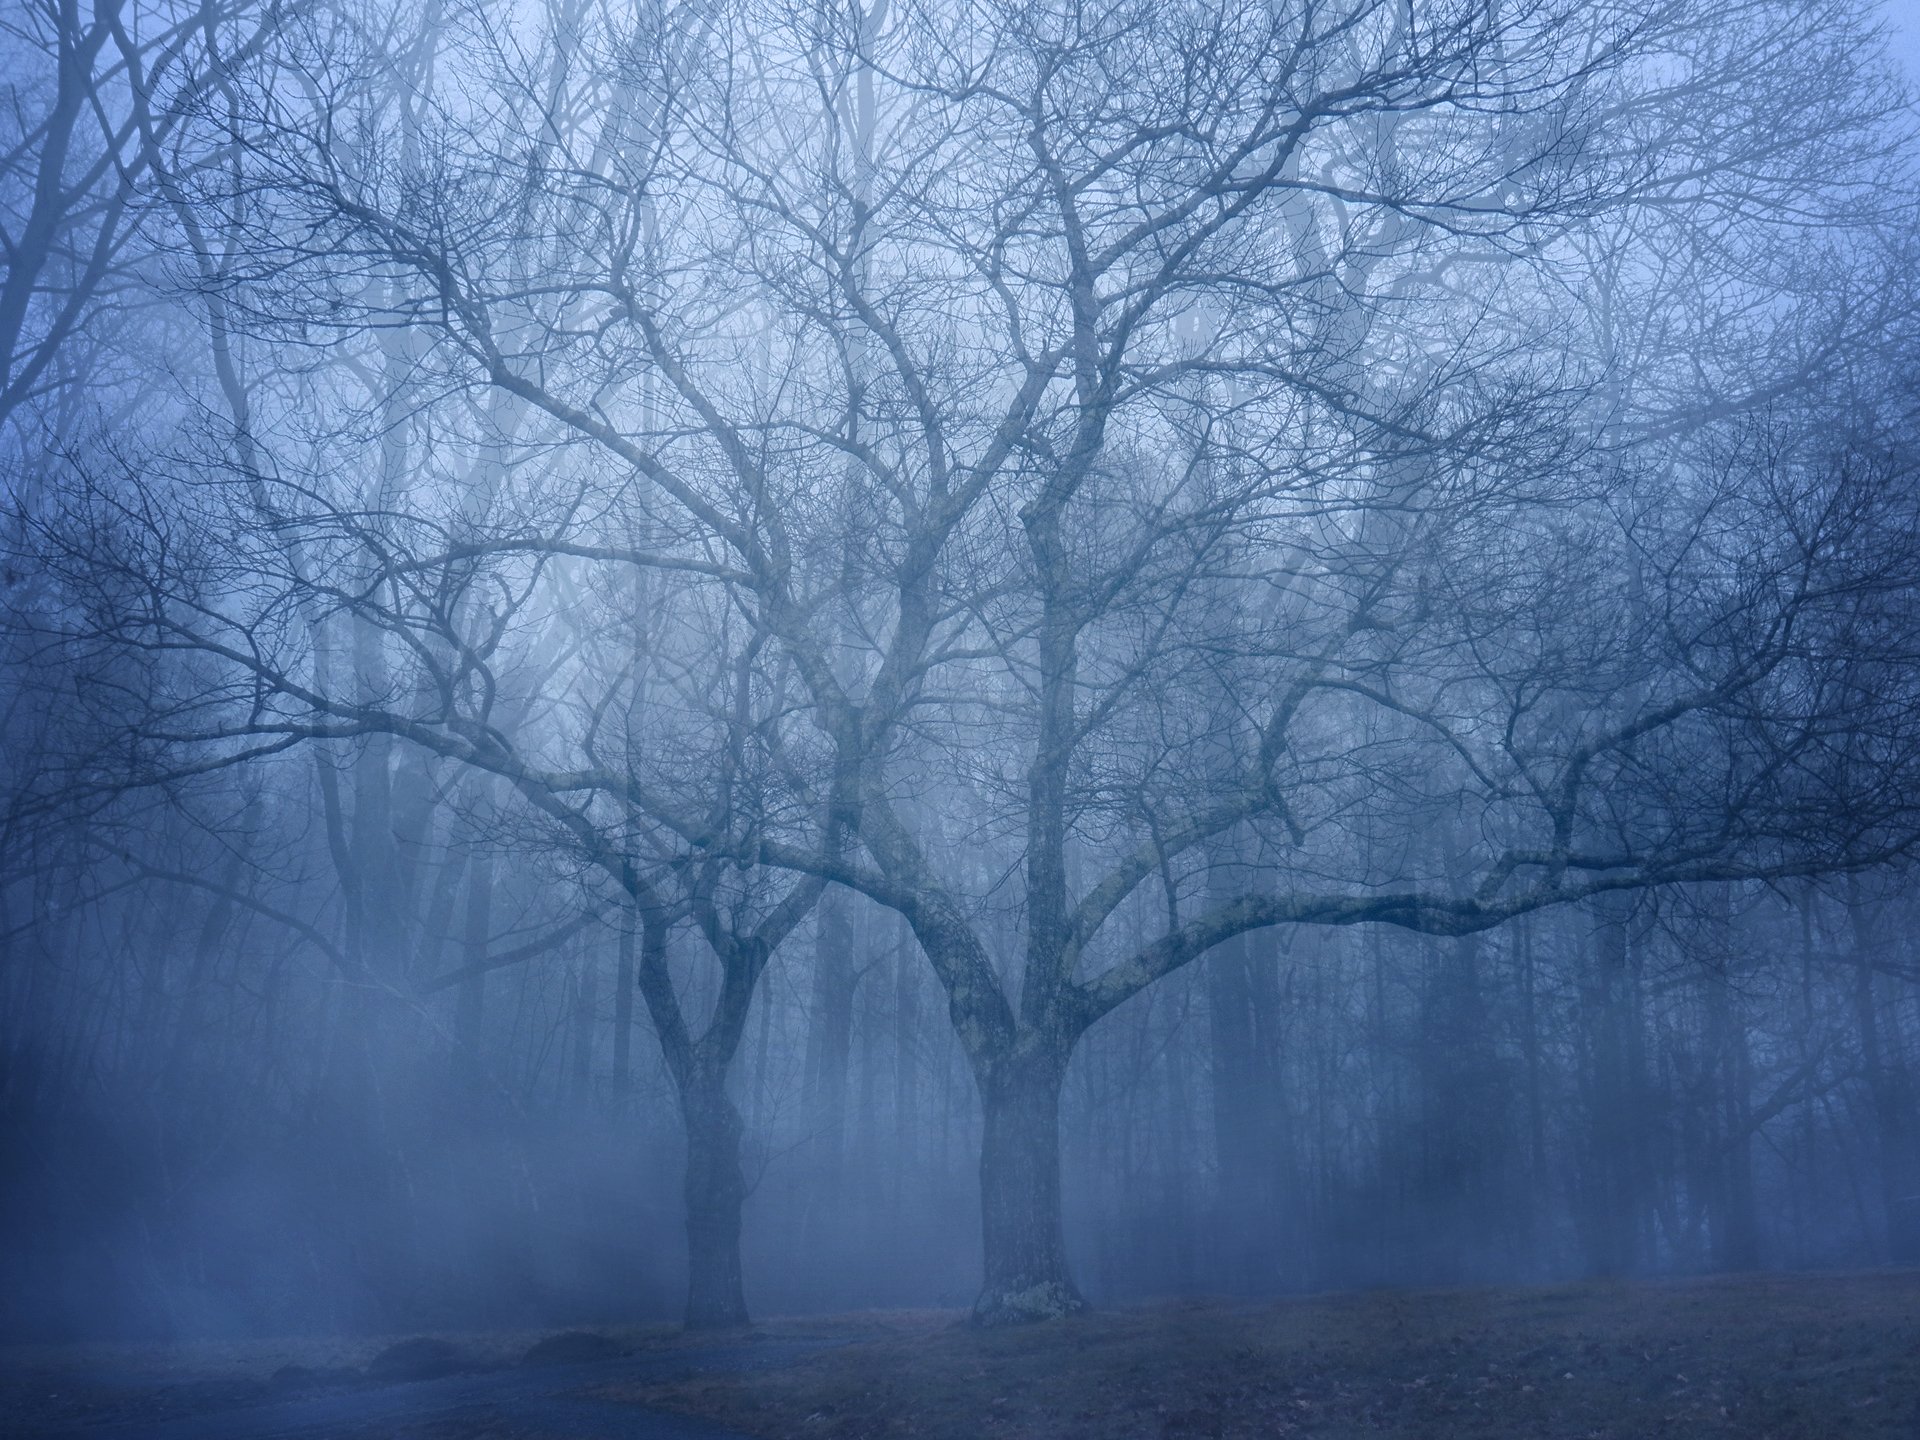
[
  {"x": 1791, "y": 1357},
  {"x": 500, "y": 1385}
]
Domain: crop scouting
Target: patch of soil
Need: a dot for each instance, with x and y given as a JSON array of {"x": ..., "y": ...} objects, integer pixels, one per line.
[
  {"x": 303, "y": 1379},
  {"x": 56, "y": 1389},
  {"x": 1790, "y": 1357},
  {"x": 425, "y": 1357},
  {"x": 574, "y": 1347}
]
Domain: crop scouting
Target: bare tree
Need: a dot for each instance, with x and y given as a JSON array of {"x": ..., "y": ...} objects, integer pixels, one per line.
[
  {"x": 91, "y": 93},
  {"x": 1250, "y": 467}
]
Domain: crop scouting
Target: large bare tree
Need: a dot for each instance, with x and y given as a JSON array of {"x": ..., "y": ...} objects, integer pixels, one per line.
[{"x": 1279, "y": 465}]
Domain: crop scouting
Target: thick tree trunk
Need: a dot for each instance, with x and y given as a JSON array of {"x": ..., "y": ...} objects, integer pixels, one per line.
[
  {"x": 1026, "y": 1260},
  {"x": 715, "y": 1192}
]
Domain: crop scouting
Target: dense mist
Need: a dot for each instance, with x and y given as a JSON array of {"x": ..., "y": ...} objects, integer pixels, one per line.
[
  {"x": 685, "y": 662},
  {"x": 1676, "y": 1089}
]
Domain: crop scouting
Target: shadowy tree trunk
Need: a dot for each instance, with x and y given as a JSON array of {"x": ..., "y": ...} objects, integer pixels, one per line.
[
  {"x": 716, "y": 1192},
  {"x": 1026, "y": 1258}
]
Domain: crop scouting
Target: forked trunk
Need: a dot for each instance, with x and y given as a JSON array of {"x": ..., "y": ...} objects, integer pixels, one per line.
[
  {"x": 1026, "y": 1261},
  {"x": 715, "y": 1192}
]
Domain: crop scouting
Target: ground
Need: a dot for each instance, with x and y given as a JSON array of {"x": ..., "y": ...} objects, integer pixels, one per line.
[
  {"x": 1793, "y": 1357},
  {"x": 1763, "y": 1356}
]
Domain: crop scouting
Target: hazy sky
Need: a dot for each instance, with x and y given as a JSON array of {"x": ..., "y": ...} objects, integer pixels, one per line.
[{"x": 1905, "y": 15}]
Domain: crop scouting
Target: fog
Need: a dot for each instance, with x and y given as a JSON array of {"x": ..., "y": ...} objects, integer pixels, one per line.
[
  {"x": 1347, "y": 1111},
  {"x": 695, "y": 662}
]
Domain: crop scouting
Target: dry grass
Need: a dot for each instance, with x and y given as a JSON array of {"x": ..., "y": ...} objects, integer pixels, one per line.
[{"x": 1790, "y": 1357}]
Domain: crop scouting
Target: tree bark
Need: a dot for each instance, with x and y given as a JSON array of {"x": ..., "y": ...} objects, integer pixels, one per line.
[
  {"x": 1026, "y": 1261},
  {"x": 716, "y": 1191}
]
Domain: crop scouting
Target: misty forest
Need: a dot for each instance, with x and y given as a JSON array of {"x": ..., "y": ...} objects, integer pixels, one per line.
[{"x": 1000, "y": 672}]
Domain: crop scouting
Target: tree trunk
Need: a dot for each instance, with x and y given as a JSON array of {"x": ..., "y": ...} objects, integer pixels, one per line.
[
  {"x": 1735, "y": 1218},
  {"x": 623, "y": 988},
  {"x": 1026, "y": 1260},
  {"x": 585, "y": 1003},
  {"x": 716, "y": 1190},
  {"x": 836, "y": 979},
  {"x": 470, "y": 1009},
  {"x": 1241, "y": 1235},
  {"x": 906, "y": 1063},
  {"x": 1615, "y": 1201},
  {"x": 1892, "y": 1109}
]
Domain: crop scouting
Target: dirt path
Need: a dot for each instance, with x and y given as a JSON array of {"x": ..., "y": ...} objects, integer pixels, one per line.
[{"x": 520, "y": 1403}]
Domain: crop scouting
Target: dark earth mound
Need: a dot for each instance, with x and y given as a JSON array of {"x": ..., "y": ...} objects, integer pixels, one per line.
[
  {"x": 298, "y": 1379},
  {"x": 425, "y": 1357},
  {"x": 574, "y": 1347}
]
